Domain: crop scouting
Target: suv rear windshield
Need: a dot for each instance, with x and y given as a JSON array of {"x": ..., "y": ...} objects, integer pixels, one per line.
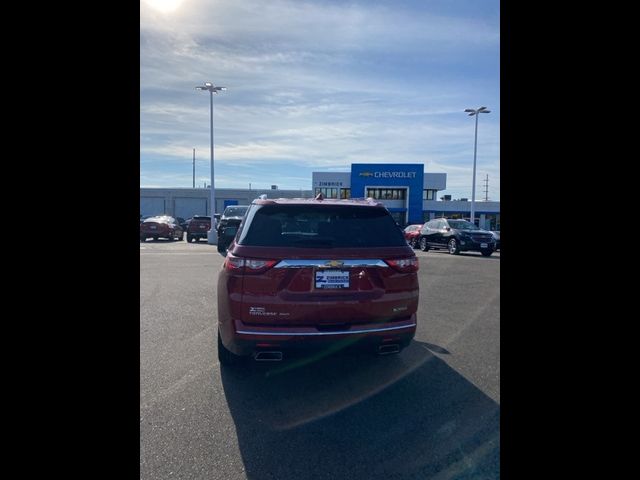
[
  {"x": 320, "y": 226},
  {"x": 199, "y": 218},
  {"x": 235, "y": 211}
]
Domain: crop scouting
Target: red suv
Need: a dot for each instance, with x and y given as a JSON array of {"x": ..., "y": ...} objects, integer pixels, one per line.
[
  {"x": 411, "y": 234},
  {"x": 304, "y": 273},
  {"x": 198, "y": 227}
]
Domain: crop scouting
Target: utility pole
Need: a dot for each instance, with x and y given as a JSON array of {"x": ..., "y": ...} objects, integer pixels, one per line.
[
  {"x": 194, "y": 168},
  {"x": 486, "y": 188}
]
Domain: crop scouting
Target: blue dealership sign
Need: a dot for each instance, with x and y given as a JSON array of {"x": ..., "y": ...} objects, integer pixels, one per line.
[{"x": 401, "y": 175}]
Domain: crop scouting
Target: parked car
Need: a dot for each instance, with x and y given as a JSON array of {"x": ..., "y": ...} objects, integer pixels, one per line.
[
  {"x": 411, "y": 234},
  {"x": 198, "y": 227},
  {"x": 182, "y": 222},
  {"x": 455, "y": 235},
  {"x": 315, "y": 273},
  {"x": 231, "y": 217},
  {"x": 496, "y": 237},
  {"x": 162, "y": 226}
]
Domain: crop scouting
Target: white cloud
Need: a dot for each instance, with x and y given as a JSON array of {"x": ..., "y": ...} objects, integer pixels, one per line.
[{"x": 318, "y": 84}]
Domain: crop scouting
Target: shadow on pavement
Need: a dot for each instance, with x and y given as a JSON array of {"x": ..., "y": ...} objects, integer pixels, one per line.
[{"x": 360, "y": 416}]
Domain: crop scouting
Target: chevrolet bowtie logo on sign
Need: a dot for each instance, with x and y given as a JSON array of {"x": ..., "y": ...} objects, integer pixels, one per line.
[
  {"x": 366, "y": 174},
  {"x": 334, "y": 263}
]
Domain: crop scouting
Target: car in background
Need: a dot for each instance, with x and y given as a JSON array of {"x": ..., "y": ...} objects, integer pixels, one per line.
[
  {"x": 182, "y": 222},
  {"x": 496, "y": 237},
  {"x": 306, "y": 274},
  {"x": 456, "y": 236},
  {"x": 161, "y": 226},
  {"x": 411, "y": 234},
  {"x": 231, "y": 217},
  {"x": 197, "y": 227}
]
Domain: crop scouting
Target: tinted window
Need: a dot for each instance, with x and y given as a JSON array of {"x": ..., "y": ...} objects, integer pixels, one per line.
[
  {"x": 235, "y": 211},
  {"x": 203, "y": 218},
  {"x": 462, "y": 225},
  {"x": 320, "y": 226}
]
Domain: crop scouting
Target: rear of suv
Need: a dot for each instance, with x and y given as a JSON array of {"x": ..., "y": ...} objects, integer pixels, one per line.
[
  {"x": 231, "y": 217},
  {"x": 198, "y": 227},
  {"x": 316, "y": 273}
]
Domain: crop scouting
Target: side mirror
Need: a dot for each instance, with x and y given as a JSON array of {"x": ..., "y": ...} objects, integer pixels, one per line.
[{"x": 448, "y": 229}]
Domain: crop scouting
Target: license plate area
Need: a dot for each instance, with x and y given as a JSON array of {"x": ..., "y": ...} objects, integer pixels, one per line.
[
  {"x": 331, "y": 279},
  {"x": 483, "y": 245}
]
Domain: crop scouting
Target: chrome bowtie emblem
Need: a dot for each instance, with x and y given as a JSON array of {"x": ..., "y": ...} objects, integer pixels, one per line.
[{"x": 334, "y": 263}]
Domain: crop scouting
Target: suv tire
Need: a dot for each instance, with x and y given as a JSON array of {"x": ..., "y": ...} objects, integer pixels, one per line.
[
  {"x": 486, "y": 253},
  {"x": 414, "y": 243},
  {"x": 225, "y": 356},
  {"x": 424, "y": 246},
  {"x": 454, "y": 248}
]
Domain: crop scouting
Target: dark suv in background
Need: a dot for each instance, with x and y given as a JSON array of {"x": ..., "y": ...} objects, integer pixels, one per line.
[
  {"x": 456, "y": 236},
  {"x": 231, "y": 217},
  {"x": 315, "y": 273}
]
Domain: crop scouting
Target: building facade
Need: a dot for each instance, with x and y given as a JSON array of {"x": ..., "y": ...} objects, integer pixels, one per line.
[
  {"x": 409, "y": 193},
  {"x": 187, "y": 202}
]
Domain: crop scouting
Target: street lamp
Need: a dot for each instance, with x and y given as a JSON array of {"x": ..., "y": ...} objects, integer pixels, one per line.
[
  {"x": 475, "y": 112},
  {"x": 212, "y": 235}
]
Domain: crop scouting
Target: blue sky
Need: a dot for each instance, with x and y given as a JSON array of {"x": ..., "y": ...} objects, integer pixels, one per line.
[{"x": 316, "y": 86}]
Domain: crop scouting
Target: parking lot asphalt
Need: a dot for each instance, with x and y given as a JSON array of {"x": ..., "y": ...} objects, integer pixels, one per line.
[{"x": 430, "y": 412}]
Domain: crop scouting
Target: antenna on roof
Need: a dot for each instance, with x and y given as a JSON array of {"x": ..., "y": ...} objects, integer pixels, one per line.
[
  {"x": 319, "y": 196},
  {"x": 263, "y": 196}
]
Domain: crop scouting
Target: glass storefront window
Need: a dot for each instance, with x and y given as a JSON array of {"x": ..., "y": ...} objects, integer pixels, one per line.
[
  {"x": 429, "y": 194},
  {"x": 387, "y": 193}
]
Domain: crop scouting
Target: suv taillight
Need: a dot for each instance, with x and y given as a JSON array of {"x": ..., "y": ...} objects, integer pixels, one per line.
[
  {"x": 247, "y": 265},
  {"x": 404, "y": 265}
]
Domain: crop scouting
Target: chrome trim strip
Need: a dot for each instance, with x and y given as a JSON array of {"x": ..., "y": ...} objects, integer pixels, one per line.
[
  {"x": 302, "y": 334},
  {"x": 327, "y": 263}
]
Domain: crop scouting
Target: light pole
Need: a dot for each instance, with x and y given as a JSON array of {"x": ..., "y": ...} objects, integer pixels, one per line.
[
  {"x": 212, "y": 235},
  {"x": 475, "y": 112}
]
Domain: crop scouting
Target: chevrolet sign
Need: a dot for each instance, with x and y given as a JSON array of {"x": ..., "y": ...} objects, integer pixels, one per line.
[{"x": 389, "y": 174}]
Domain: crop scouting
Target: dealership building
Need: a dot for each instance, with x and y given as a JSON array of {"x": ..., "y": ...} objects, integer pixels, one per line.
[{"x": 408, "y": 192}]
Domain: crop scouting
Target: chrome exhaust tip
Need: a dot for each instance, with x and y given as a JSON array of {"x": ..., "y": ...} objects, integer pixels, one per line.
[
  {"x": 388, "y": 349},
  {"x": 267, "y": 356}
]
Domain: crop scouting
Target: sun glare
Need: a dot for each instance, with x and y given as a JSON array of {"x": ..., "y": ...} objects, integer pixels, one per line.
[{"x": 164, "y": 5}]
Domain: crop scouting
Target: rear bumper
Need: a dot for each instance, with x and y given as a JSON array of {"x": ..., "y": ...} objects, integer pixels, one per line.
[
  {"x": 470, "y": 245},
  {"x": 245, "y": 339},
  {"x": 199, "y": 234},
  {"x": 159, "y": 233}
]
